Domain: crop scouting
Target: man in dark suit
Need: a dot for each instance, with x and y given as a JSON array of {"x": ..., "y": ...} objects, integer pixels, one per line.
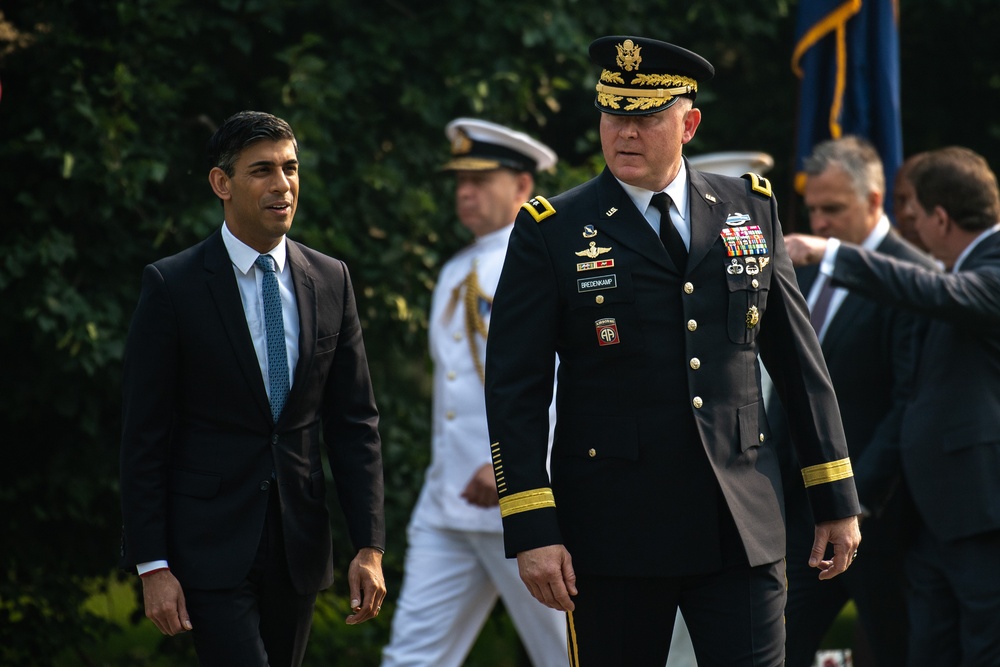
[
  {"x": 243, "y": 351},
  {"x": 869, "y": 351},
  {"x": 950, "y": 439},
  {"x": 665, "y": 487}
]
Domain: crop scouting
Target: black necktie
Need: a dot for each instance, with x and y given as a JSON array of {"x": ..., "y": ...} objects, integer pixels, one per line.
[
  {"x": 669, "y": 235},
  {"x": 822, "y": 306}
]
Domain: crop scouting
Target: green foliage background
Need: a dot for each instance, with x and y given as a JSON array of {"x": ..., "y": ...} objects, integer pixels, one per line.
[{"x": 105, "y": 113}]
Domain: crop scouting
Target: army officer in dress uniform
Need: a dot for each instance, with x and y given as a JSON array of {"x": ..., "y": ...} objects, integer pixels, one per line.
[{"x": 658, "y": 286}]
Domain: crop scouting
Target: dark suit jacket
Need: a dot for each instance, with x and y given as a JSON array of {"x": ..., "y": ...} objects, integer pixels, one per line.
[
  {"x": 199, "y": 445},
  {"x": 950, "y": 440},
  {"x": 870, "y": 351},
  {"x": 660, "y": 418}
]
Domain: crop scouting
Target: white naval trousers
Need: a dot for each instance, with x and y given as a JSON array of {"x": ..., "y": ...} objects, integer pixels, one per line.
[{"x": 451, "y": 582}]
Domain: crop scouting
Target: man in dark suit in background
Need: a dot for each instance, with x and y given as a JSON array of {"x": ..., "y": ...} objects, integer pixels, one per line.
[
  {"x": 869, "y": 351},
  {"x": 658, "y": 286},
  {"x": 950, "y": 437},
  {"x": 242, "y": 352}
]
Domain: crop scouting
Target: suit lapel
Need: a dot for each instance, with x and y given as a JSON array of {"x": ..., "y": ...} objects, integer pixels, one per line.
[
  {"x": 226, "y": 294},
  {"x": 305, "y": 298}
]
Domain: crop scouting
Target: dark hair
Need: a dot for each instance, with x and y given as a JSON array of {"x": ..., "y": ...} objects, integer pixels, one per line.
[
  {"x": 961, "y": 182},
  {"x": 239, "y": 131}
]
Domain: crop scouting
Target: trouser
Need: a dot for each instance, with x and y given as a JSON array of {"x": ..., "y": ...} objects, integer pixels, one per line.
[
  {"x": 451, "y": 582},
  {"x": 734, "y": 617},
  {"x": 954, "y": 601},
  {"x": 263, "y": 622}
]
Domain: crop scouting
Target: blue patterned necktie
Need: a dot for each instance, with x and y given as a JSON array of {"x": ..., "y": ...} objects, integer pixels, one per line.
[{"x": 274, "y": 324}]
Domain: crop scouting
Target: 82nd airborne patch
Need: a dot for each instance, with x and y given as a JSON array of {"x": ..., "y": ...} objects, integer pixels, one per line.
[{"x": 607, "y": 332}]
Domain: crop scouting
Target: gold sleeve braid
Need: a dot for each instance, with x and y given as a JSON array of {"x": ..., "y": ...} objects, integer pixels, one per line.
[{"x": 824, "y": 473}]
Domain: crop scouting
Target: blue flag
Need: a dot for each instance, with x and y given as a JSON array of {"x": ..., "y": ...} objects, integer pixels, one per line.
[{"x": 847, "y": 57}]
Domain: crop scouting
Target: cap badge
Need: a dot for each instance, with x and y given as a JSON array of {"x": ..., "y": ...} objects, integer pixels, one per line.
[
  {"x": 628, "y": 55},
  {"x": 589, "y": 232},
  {"x": 461, "y": 144},
  {"x": 593, "y": 251}
]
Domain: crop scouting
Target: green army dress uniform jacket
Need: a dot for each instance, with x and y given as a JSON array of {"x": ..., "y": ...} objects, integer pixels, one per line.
[{"x": 660, "y": 420}]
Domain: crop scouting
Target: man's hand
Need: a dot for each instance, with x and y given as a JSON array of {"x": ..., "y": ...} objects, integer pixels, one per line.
[
  {"x": 804, "y": 250},
  {"x": 845, "y": 536},
  {"x": 482, "y": 488},
  {"x": 367, "y": 585},
  {"x": 548, "y": 574},
  {"x": 164, "y": 602}
]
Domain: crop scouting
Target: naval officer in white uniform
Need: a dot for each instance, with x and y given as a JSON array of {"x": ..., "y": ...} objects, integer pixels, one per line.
[{"x": 455, "y": 566}]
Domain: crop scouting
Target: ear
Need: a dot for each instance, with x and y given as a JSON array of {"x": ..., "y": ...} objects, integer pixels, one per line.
[
  {"x": 692, "y": 119},
  {"x": 875, "y": 201},
  {"x": 220, "y": 183}
]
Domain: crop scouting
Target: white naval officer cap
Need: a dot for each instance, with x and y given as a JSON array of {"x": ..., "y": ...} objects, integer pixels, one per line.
[{"x": 479, "y": 145}]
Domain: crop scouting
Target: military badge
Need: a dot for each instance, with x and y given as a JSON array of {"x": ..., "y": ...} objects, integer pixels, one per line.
[
  {"x": 735, "y": 268},
  {"x": 744, "y": 240},
  {"x": 539, "y": 208},
  {"x": 597, "y": 264},
  {"x": 628, "y": 55},
  {"x": 710, "y": 197},
  {"x": 593, "y": 251},
  {"x": 589, "y": 232},
  {"x": 737, "y": 219},
  {"x": 611, "y": 211},
  {"x": 753, "y": 317},
  {"x": 752, "y": 268},
  {"x": 764, "y": 261},
  {"x": 607, "y": 331}
]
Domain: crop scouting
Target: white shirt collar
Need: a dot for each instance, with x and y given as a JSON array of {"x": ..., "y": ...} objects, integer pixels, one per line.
[
  {"x": 976, "y": 241},
  {"x": 877, "y": 234},
  {"x": 495, "y": 237},
  {"x": 677, "y": 189},
  {"x": 243, "y": 256}
]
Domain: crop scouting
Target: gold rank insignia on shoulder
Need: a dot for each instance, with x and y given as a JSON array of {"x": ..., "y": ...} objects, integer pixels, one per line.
[
  {"x": 539, "y": 208},
  {"x": 593, "y": 251},
  {"x": 758, "y": 183},
  {"x": 753, "y": 317}
]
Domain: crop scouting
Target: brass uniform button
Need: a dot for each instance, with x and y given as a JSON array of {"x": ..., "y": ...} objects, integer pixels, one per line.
[
  {"x": 697, "y": 402},
  {"x": 458, "y": 335},
  {"x": 599, "y": 299},
  {"x": 762, "y": 437},
  {"x": 692, "y": 325},
  {"x": 450, "y": 415},
  {"x": 695, "y": 363},
  {"x": 755, "y": 283},
  {"x": 452, "y": 375},
  {"x": 592, "y": 452},
  {"x": 688, "y": 288}
]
